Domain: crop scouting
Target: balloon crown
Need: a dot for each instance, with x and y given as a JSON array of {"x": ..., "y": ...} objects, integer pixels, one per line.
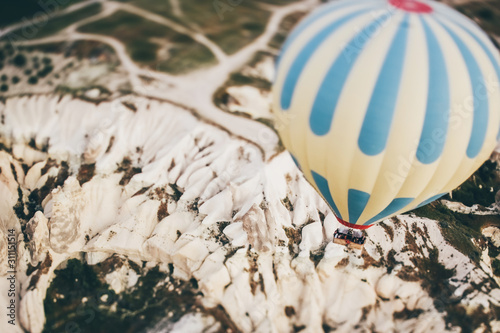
[{"x": 412, "y": 6}]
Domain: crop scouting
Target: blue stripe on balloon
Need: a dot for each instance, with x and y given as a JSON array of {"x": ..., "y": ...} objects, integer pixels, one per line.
[
  {"x": 377, "y": 123},
  {"x": 394, "y": 206},
  {"x": 485, "y": 48},
  {"x": 323, "y": 187},
  {"x": 438, "y": 102},
  {"x": 481, "y": 105},
  {"x": 356, "y": 201},
  {"x": 305, "y": 54},
  {"x": 328, "y": 95},
  {"x": 296, "y": 161},
  {"x": 488, "y": 52},
  {"x": 326, "y": 10},
  {"x": 431, "y": 199}
]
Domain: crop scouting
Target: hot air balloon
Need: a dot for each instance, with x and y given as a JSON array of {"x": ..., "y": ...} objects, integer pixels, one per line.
[{"x": 386, "y": 105}]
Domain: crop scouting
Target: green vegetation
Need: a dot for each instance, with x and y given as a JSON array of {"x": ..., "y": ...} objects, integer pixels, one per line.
[
  {"x": 79, "y": 299},
  {"x": 186, "y": 57},
  {"x": 33, "y": 80},
  {"x": 278, "y": 2},
  {"x": 435, "y": 279},
  {"x": 184, "y": 53},
  {"x": 162, "y": 8},
  {"x": 286, "y": 25},
  {"x": 238, "y": 79},
  {"x": 495, "y": 265},
  {"x": 13, "y": 11},
  {"x": 480, "y": 188},
  {"x": 19, "y": 60},
  {"x": 232, "y": 40},
  {"x": 435, "y": 276},
  {"x": 55, "y": 24},
  {"x": 231, "y": 29},
  {"x": 458, "y": 229},
  {"x": 45, "y": 71},
  {"x": 142, "y": 50},
  {"x": 221, "y": 96},
  {"x": 486, "y": 12}
]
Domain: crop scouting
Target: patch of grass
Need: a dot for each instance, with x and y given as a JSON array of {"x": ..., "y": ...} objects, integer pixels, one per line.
[
  {"x": 286, "y": 25},
  {"x": 85, "y": 49},
  {"x": 19, "y": 60},
  {"x": 186, "y": 56},
  {"x": 480, "y": 188},
  {"x": 54, "y": 25},
  {"x": 232, "y": 29},
  {"x": 13, "y": 11},
  {"x": 458, "y": 229},
  {"x": 127, "y": 27},
  {"x": 278, "y": 2},
  {"x": 495, "y": 265},
  {"x": 142, "y": 51},
  {"x": 76, "y": 281},
  {"x": 221, "y": 97},
  {"x": 232, "y": 41},
  {"x": 144, "y": 38},
  {"x": 33, "y": 80},
  {"x": 435, "y": 279},
  {"x": 133, "y": 310},
  {"x": 434, "y": 275},
  {"x": 162, "y": 8},
  {"x": 487, "y": 16}
]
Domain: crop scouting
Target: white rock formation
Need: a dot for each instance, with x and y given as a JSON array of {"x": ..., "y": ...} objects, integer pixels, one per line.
[{"x": 254, "y": 235}]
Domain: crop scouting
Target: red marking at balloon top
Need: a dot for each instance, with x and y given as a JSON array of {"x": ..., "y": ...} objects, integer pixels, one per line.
[{"x": 411, "y": 6}]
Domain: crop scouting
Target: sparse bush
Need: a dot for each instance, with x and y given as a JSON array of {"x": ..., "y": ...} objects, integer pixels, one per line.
[
  {"x": 19, "y": 60},
  {"x": 485, "y": 14},
  {"x": 45, "y": 71},
  {"x": 478, "y": 188},
  {"x": 495, "y": 265},
  {"x": 33, "y": 80}
]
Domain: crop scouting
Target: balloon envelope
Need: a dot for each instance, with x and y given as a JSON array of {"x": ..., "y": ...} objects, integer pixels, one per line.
[{"x": 387, "y": 105}]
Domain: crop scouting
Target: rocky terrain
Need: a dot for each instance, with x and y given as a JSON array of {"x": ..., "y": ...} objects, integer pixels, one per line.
[{"x": 149, "y": 192}]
